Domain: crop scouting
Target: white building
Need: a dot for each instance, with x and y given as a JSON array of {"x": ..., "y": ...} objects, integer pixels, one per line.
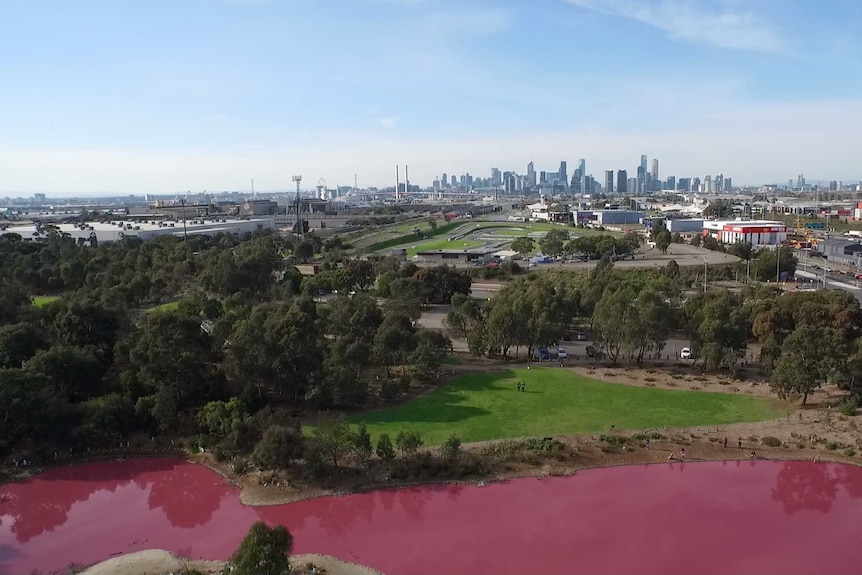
[
  {"x": 754, "y": 232},
  {"x": 119, "y": 229}
]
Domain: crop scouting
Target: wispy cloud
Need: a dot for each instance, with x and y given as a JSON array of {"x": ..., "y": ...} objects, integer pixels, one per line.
[{"x": 715, "y": 23}]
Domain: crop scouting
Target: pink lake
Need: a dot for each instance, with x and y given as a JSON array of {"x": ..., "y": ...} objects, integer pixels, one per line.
[{"x": 752, "y": 517}]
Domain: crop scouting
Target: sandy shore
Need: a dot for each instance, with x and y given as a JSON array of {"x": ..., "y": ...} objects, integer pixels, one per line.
[{"x": 160, "y": 562}]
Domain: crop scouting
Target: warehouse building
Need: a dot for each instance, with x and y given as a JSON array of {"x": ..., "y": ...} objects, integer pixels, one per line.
[
  {"x": 755, "y": 232},
  {"x": 455, "y": 257},
  {"x": 841, "y": 250},
  {"x": 145, "y": 230}
]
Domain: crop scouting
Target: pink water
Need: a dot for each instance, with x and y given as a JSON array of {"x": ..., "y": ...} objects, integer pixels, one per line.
[{"x": 752, "y": 517}]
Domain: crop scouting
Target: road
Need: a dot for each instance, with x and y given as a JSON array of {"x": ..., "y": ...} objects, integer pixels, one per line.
[
  {"x": 433, "y": 316},
  {"x": 685, "y": 256}
]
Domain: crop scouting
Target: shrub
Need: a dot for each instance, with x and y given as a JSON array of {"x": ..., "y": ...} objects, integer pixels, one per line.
[
  {"x": 278, "y": 446},
  {"x": 505, "y": 449},
  {"x": 362, "y": 448},
  {"x": 831, "y": 446},
  {"x": 616, "y": 440},
  {"x": 771, "y": 441},
  {"x": 651, "y": 435},
  {"x": 849, "y": 452},
  {"x": 849, "y": 407},
  {"x": 408, "y": 443},
  {"x": 385, "y": 451},
  {"x": 649, "y": 379},
  {"x": 542, "y": 446},
  {"x": 451, "y": 448}
]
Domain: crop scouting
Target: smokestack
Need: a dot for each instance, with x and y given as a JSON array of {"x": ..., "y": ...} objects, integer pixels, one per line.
[
  {"x": 406, "y": 181},
  {"x": 397, "y": 180}
]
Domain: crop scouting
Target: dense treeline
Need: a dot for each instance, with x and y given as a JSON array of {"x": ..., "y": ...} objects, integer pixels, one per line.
[
  {"x": 806, "y": 339},
  {"x": 246, "y": 347}
]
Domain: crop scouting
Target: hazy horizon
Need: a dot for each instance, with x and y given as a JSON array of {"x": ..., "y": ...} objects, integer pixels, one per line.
[{"x": 112, "y": 98}]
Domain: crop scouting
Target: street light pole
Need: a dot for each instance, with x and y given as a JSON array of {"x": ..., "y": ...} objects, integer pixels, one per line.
[
  {"x": 705, "y": 271},
  {"x": 777, "y": 265},
  {"x": 299, "y": 229}
]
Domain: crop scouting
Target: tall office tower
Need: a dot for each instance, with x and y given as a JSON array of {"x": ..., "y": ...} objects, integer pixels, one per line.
[
  {"x": 728, "y": 185},
  {"x": 444, "y": 181},
  {"x": 707, "y": 185},
  {"x": 644, "y": 163},
  {"x": 609, "y": 182},
  {"x": 641, "y": 178},
  {"x": 695, "y": 185},
  {"x": 671, "y": 184},
  {"x": 496, "y": 177},
  {"x": 833, "y": 186},
  {"x": 454, "y": 181},
  {"x": 800, "y": 181},
  {"x": 531, "y": 175},
  {"x": 654, "y": 174},
  {"x": 622, "y": 182},
  {"x": 436, "y": 185},
  {"x": 582, "y": 167},
  {"x": 563, "y": 173},
  {"x": 510, "y": 184},
  {"x": 543, "y": 177}
]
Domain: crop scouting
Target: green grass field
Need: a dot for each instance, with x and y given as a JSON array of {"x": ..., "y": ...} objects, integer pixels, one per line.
[
  {"x": 43, "y": 300},
  {"x": 483, "y": 406},
  {"x": 169, "y": 306},
  {"x": 443, "y": 244}
]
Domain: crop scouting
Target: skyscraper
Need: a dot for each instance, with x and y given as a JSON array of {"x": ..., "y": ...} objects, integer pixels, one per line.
[
  {"x": 444, "y": 181},
  {"x": 609, "y": 182},
  {"x": 582, "y": 166},
  {"x": 531, "y": 175},
  {"x": 563, "y": 174},
  {"x": 641, "y": 178},
  {"x": 496, "y": 177},
  {"x": 622, "y": 181},
  {"x": 644, "y": 162},
  {"x": 654, "y": 173}
]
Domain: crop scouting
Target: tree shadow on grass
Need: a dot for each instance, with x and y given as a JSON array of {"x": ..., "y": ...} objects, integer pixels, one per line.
[{"x": 446, "y": 404}]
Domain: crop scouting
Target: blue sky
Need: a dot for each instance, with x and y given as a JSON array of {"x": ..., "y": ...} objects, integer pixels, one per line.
[{"x": 164, "y": 95}]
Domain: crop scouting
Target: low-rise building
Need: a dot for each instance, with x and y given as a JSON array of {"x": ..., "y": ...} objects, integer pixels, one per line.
[
  {"x": 454, "y": 257},
  {"x": 755, "y": 232},
  {"x": 841, "y": 250},
  {"x": 145, "y": 230}
]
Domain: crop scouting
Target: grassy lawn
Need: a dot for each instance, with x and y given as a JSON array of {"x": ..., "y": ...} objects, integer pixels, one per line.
[
  {"x": 43, "y": 300},
  {"x": 443, "y": 244},
  {"x": 169, "y": 306},
  {"x": 483, "y": 406}
]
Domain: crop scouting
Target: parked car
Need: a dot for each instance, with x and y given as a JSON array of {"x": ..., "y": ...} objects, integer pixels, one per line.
[
  {"x": 685, "y": 353},
  {"x": 562, "y": 354},
  {"x": 544, "y": 354},
  {"x": 581, "y": 336}
]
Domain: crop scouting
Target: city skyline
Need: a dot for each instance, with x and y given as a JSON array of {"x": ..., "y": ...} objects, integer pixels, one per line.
[{"x": 164, "y": 96}]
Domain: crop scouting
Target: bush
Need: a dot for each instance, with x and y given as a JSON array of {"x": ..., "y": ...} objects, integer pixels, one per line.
[
  {"x": 385, "y": 451},
  {"x": 278, "y": 447},
  {"x": 849, "y": 452},
  {"x": 771, "y": 441},
  {"x": 616, "y": 440},
  {"x": 849, "y": 407},
  {"x": 542, "y": 446},
  {"x": 651, "y": 435},
  {"x": 362, "y": 448},
  {"x": 451, "y": 448},
  {"x": 831, "y": 446},
  {"x": 505, "y": 449},
  {"x": 408, "y": 443}
]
